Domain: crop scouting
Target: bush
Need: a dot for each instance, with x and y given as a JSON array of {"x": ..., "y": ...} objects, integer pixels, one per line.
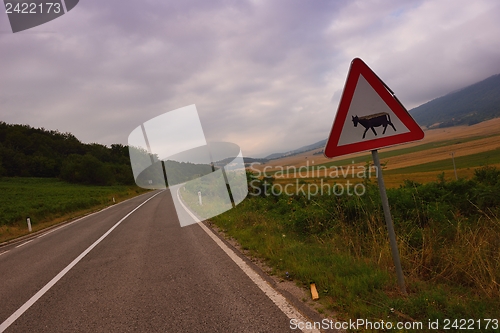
[
  {"x": 436, "y": 223},
  {"x": 487, "y": 175}
]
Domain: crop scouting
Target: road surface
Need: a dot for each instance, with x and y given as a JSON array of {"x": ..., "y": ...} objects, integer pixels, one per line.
[{"x": 132, "y": 268}]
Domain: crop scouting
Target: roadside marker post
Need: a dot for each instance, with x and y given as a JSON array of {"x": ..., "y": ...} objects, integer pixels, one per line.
[
  {"x": 454, "y": 166},
  {"x": 199, "y": 198},
  {"x": 28, "y": 220},
  {"x": 314, "y": 292},
  {"x": 370, "y": 117}
]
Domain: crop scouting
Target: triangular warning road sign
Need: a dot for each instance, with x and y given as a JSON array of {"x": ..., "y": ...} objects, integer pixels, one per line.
[{"x": 369, "y": 116}]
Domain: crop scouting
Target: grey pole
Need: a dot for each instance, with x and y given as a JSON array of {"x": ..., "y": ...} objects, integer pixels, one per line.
[
  {"x": 454, "y": 167},
  {"x": 388, "y": 221}
]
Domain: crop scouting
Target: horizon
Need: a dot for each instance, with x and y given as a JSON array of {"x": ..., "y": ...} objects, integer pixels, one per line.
[{"x": 261, "y": 155}]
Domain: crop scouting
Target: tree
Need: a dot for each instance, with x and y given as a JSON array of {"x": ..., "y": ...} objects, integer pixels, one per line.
[{"x": 86, "y": 169}]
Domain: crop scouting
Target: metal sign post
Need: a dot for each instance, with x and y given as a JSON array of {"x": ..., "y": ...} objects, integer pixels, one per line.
[
  {"x": 383, "y": 121},
  {"x": 388, "y": 221}
]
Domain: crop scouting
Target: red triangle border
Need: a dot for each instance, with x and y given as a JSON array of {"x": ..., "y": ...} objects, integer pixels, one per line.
[{"x": 358, "y": 67}]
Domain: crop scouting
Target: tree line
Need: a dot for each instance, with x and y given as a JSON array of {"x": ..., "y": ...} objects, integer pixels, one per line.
[{"x": 36, "y": 152}]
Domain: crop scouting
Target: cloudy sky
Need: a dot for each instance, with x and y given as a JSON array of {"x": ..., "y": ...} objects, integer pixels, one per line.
[{"x": 266, "y": 75}]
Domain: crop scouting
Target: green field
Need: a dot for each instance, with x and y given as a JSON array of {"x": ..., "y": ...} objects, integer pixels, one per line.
[
  {"x": 47, "y": 199},
  {"x": 469, "y": 161}
]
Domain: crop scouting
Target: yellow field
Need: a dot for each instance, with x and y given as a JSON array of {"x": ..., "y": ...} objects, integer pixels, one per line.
[{"x": 489, "y": 128}]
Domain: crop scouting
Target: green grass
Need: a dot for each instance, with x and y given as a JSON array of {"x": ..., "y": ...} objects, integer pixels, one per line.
[
  {"x": 46, "y": 199},
  {"x": 448, "y": 236},
  {"x": 211, "y": 204},
  {"x": 339, "y": 276},
  {"x": 468, "y": 161}
]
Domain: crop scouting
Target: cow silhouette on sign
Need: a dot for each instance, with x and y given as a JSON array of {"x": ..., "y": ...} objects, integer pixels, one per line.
[{"x": 373, "y": 120}]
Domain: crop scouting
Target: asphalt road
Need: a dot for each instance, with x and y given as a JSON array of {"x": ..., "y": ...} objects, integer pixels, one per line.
[{"x": 146, "y": 275}]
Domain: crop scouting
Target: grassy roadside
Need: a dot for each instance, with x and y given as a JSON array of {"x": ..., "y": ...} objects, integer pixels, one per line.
[
  {"x": 48, "y": 201},
  {"x": 448, "y": 235}
]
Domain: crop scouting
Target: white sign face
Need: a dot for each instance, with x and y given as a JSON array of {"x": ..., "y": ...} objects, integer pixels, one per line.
[{"x": 365, "y": 103}]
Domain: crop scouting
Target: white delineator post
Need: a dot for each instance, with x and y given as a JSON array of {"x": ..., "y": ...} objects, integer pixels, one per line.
[
  {"x": 28, "y": 220},
  {"x": 199, "y": 198},
  {"x": 388, "y": 221}
]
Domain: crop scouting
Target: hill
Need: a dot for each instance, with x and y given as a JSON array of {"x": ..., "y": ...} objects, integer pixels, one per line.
[
  {"x": 246, "y": 160},
  {"x": 467, "y": 106},
  {"x": 319, "y": 144}
]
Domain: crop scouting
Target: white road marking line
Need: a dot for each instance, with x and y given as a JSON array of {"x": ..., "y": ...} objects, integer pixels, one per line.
[
  {"x": 25, "y": 243},
  {"x": 52, "y": 282},
  {"x": 84, "y": 217},
  {"x": 51, "y": 231},
  {"x": 276, "y": 297},
  {"x": 4, "y": 252},
  {"x": 197, "y": 220}
]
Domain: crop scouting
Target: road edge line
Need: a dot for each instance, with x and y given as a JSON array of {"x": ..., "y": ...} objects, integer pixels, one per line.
[
  {"x": 19, "y": 312},
  {"x": 40, "y": 233},
  {"x": 279, "y": 300}
]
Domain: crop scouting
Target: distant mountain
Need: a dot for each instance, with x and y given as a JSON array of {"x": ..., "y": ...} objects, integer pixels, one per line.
[
  {"x": 316, "y": 145},
  {"x": 468, "y": 106},
  {"x": 246, "y": 160},
  {"x": 274, "y": 156},
  {"x": 249, "y": 160}
]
